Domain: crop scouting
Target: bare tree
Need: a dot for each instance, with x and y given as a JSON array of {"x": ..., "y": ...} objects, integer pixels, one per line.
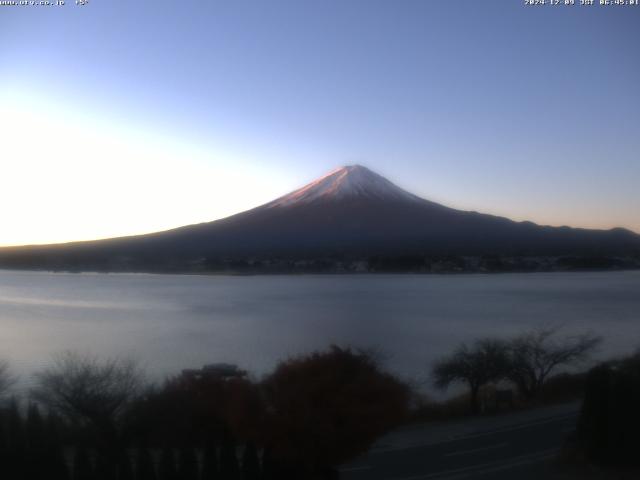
[
  {"x": 485, "y": 361},
  {"x": 6, "y": 378},
  {"x": 535, "y": 354},
  {"x": 87, "y": 389}
]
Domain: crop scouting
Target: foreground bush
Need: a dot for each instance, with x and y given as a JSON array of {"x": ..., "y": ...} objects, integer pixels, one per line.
[
  {"x": 609, "y": 425},
  {"x": 326, "y": 408}
]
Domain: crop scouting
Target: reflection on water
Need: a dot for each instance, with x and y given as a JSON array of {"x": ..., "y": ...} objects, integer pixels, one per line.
[{"x": 171, "y": 322}]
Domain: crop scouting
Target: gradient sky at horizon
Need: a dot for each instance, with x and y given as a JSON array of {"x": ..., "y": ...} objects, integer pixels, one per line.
[{"x": 123, "y": 117}]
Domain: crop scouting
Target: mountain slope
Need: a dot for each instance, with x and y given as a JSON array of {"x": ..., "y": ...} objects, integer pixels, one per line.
[{"x": 350, "y": 213}]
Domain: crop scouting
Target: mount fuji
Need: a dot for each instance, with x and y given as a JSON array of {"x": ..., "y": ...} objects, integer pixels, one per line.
[{"x": 347, "y": 218}]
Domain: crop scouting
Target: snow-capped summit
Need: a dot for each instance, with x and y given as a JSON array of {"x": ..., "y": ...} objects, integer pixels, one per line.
[{"x": 348, "y": 182}]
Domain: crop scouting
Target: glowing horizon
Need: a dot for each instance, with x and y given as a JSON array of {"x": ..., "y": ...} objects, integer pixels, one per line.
[{"x": 78, "y": 178}]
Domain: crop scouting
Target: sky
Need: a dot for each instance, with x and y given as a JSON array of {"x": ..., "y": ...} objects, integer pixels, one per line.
[{"x": 122, "y": 117}]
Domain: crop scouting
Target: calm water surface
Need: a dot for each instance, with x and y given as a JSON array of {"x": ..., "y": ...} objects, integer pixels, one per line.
[{"x": 170, "y": 322}]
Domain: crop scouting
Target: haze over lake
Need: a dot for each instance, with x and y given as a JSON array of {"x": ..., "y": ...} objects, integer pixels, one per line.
[{"x": 170, "y": 322}]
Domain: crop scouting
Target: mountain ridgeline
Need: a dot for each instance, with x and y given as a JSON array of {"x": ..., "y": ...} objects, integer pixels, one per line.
[{"x": 349, "y": 220}]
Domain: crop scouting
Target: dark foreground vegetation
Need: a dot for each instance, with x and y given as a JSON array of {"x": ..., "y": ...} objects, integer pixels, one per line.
[
  {"x": 522, "y": 372},
  {"x": 609, "y": 426},
  {"x": 86, "y": 418},
  {"x": 310, "y": 415},
  {"x": 524, "y": 363}
]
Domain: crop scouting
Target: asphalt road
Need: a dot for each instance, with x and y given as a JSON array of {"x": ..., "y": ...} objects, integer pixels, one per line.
[{"x": 517, "y": 449}]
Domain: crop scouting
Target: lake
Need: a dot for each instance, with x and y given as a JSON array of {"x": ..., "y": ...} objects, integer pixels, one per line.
[{"x": 170, "y": 322}]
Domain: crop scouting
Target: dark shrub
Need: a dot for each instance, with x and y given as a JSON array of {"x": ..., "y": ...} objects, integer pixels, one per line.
[
  {"x": 250, "y": 463},
  {"x": 609, "y": 425},
  {"x": 328, "y": 407},
  {"x": 144, "y": 465}
]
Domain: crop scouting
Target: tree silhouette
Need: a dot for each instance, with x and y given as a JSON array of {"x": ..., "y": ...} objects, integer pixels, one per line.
[
  {"x": 144, "y": 465},
  {"x": 4, "y": 457},
  {"x": 93, "y": 392},
  {"x": 16, "y": 442},
  {"x": 87, "y": 389},
  {"x": 106, "y": 465},
  {"x": 250, "y": 462},
  {"x": 484, "y": 361},
  {"x": 269, "y": 466},
  {"x": 167, "y": 470},
  {"x": 56, "y": 464},
  {"x": 210, "y": 467},
  {"x": 36, "y": 453},
  {"x": 187, "y": 464},
  {"x": 535, "y": 354},
  {"x": 125, "y": 471},
  {"x": 229, "y": 468},
  {"x": 82, "y": 467}
]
